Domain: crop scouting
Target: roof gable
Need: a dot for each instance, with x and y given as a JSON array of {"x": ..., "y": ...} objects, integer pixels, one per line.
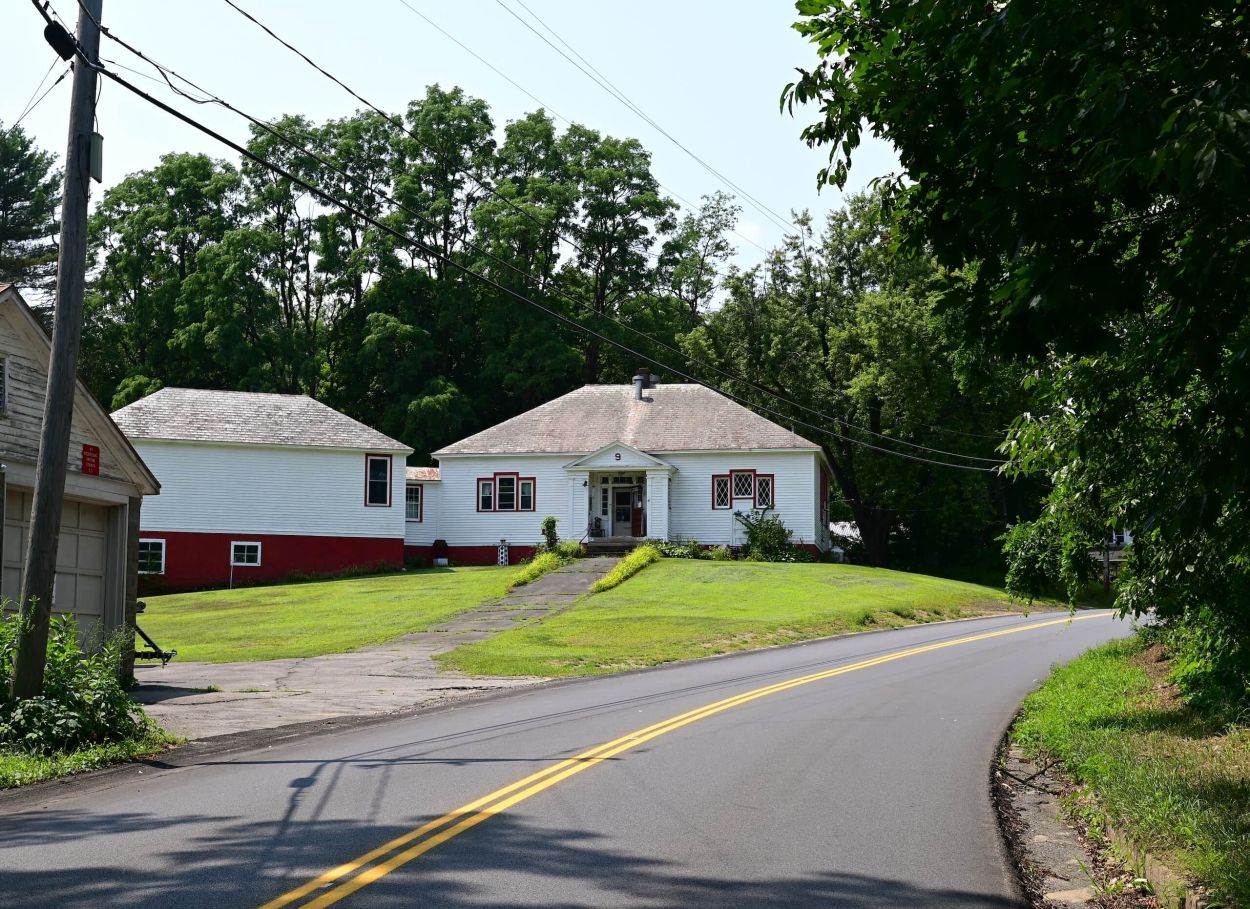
[
  {"x": 668, "y": 418},
  {"x": 90, "y": 419},
  {"x": 618, "y": 454},
  {"x": 248, "y": 418}
]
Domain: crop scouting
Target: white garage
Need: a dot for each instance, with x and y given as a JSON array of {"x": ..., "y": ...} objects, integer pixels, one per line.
[{"x": 97, "y": 547}]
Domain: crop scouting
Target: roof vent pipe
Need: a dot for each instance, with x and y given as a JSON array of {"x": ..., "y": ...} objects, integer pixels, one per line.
[{"x": 639, "y": 382}]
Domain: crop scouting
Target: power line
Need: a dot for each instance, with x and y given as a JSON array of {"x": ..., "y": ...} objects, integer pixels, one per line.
[
  {"x": 602, "y": 81},
  {"x": 484, "y": 185},
  {"x": 469, "y": 272},
  {"x": 33, "y": 102},
  {"x": 273, "y": 130},
  {"x": 690, "y": 206}
]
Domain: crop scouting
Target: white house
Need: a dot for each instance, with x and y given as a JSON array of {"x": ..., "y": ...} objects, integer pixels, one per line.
[
  {"x": 262, "y": 486},
  {"x": 104, "y": 485},
  {"x": 617, "y": 463}
]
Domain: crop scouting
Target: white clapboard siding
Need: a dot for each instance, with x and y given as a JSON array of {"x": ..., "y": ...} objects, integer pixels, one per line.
[
  {"x": 689, "y": 497},
  {"x": 691, "y": 515},
  {"x": 461, "y": 524},
  {"x": 215, "y": 488},
  {"x": 426, "y": 531},
  {"x": 27, "y": 382}
]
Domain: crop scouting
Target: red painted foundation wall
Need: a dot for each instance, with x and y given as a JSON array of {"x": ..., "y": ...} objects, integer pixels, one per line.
[
  {"x": 470, "y": 555},
  {"x": 198, "y": 561}
]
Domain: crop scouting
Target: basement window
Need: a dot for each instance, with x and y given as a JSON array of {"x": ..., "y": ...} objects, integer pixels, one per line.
[
  {"x": 245, "y": 554},
  {"x": 151, "y": 557}
]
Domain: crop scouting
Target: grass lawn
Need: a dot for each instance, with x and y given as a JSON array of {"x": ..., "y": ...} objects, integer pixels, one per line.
[
  {"x": 1175, "y": 778},
  {"x": 679, "y": 608},
  {"x": 299, "y": 620},
  {"x": 18, "y": 769}
]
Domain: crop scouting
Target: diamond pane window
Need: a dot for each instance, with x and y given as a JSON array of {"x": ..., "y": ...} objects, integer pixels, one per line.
[
  {"x": 764, "y": 492},
  {"x": 744, "y": 485},
  {"x": 720, "y": 492}
]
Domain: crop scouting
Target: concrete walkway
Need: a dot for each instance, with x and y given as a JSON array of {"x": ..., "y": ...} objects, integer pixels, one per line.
[{"x": 399, "y": 674}]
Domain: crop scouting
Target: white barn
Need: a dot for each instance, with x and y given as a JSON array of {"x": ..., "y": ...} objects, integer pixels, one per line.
[
  {"x": 260, "y": 487},
  {"x": 617, "y": 464}
]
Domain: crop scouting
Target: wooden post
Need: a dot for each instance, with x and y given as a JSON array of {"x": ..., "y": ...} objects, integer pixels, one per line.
[{"x": 58, "y": 407}]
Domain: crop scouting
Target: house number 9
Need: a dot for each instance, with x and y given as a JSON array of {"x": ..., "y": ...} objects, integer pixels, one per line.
[{"x": 618, "y": 455}]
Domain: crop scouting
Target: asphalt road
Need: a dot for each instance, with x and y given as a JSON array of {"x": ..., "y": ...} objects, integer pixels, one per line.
[{"x": 843, "y": 773}]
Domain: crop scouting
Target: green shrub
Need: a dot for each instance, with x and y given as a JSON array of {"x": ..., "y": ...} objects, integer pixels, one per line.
[
  {"x": 568, "y": 550},
  {"x": 688, "y": 549},
  {"x": 721, "y": 554},
  {"x": 83, "y": 702},
  {"x": 627, "y": 567},
  {"x": 768, "y": 540},
  {"x": 551, "y": 539},
  {"x": 535, "y": 568}
]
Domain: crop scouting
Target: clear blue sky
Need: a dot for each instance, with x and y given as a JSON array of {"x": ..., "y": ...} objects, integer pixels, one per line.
[{"x": 709, "y": 71}]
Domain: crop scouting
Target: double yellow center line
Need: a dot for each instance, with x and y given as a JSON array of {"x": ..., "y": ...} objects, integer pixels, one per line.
[{"x": 366, "y": 869}]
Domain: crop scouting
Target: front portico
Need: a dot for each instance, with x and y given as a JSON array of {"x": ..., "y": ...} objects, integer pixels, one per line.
[{"x": 619, "y": 493}]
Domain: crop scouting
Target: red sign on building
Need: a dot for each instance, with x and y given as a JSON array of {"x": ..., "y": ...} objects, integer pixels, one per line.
[{"x": 91, "y": 460}]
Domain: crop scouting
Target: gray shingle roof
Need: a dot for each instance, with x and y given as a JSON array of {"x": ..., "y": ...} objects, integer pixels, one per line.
[
  {"x": 249, "y": 418},
  {"x": 672, "y": 418}
]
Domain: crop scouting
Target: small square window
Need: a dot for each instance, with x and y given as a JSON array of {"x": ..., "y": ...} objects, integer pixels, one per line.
[
  {"x": 412, "y": 503},
  {"x": 525, "y": 496},
  {"x": 245, "y": 554},
  {"x": 720, "y": 492},
  {"x": 378, "y": 480},
  {"x": 744, "y": 485},
  {"x": 505, "y": 489},
  {"x": 486, "y": 495},
  {"x": 151, "y": 557}
]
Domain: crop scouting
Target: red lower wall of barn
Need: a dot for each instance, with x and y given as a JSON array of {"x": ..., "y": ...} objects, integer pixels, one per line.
[
  {"x": 196, "y": 561},
  {"x": 470, "y": 555}
]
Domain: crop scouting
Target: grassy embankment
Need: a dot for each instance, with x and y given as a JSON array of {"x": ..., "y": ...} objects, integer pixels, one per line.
[
  {"x": 677, "y": 609},
  {"x": 17, "y": 769},
  {"x": 310, "y": 619},
  {"x": 1175, "y": 778}
]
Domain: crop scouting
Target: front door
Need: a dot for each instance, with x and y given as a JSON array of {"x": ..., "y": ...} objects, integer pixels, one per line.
[
  {"x": 622, "y": 512},
  {"x": 635, "y": 519}
]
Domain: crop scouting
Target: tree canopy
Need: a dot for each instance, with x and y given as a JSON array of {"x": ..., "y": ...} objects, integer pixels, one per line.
[
  {"x": 30, "y": 193},
  {"x": 1083, "y": 167}
]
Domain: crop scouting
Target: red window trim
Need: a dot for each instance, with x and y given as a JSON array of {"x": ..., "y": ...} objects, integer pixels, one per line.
[
  {"x": 772, "y": 478},
  {"x": 493, "y": 480},
  {"x": 389, "y": 467},
  {"x": 420, "y": 518},
  {"x": 734, "y": 497}
]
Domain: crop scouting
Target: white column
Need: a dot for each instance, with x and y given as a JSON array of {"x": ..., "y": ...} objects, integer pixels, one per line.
[{"x": 657, "y": 504}]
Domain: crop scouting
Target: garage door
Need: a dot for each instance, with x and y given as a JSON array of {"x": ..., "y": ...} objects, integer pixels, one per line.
[{"x": 81, "y": 561}]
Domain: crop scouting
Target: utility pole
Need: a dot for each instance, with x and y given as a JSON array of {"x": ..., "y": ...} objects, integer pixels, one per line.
[{"x": 40, "y": 567}]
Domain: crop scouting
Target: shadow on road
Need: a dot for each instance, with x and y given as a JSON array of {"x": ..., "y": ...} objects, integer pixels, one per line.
[{"x": 507, "y": 863}]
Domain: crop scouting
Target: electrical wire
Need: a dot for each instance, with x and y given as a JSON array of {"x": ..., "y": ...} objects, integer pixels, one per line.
[
  {"x": 211, "y": 98},
  {"x": 690, "y": 206},
  {"x": 33, "y": 102},
  {"x": 602, "y": 81}
]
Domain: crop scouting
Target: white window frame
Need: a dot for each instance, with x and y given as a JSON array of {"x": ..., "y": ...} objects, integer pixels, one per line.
[
  {"x": 728, "y": 481},
  {"x": 408, "y": 503},
  {"x": 772, "y": 490},
  {"x": 369, "y": 481},
  {"x": 733, "y": 484},
  {"x": 520, "y": 494},
  {"x": 235, "y": 563},
  {"x": 142, "y": 541},
  {"x": 486, "y": 486}
]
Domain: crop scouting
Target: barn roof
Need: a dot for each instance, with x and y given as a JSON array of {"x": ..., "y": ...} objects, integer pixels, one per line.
[
  {"x": 669, "y": 418},
  {"x": 248, "y": 418}
]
